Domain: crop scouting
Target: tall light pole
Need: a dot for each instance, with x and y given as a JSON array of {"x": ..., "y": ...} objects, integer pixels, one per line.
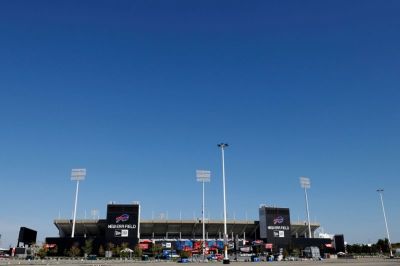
[
  {"x": 226, "y": 258},
  {"x": 305, "y": 183},
  {"x": 95, "y": 214},
  {"x": 380, "y": 191},
  {"x": 76, "y": 175},
  {"x": 203, "y": 176}
]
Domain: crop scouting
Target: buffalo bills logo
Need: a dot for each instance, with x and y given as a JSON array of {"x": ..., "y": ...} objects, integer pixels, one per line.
[
  {"x": 122, "y": 218},
  {"x": 278, "y": 220}
]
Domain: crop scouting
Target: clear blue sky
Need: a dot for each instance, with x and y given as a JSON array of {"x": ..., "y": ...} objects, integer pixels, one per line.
[{"x": 141, "y": 92}]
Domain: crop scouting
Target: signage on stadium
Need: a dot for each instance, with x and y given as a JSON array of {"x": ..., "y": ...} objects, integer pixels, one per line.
[
  {"x": 122, "y": 218},
  {"x": 278, "y": 227},
  {"x": 122, "y": 223},
  {"x": 279, "y": 233},
  {"x": 278, "y": 220},
  {"x": 121, "y": 233},
  {"x": 121, "y": 226},
  {"x": 275, "y": 225}
]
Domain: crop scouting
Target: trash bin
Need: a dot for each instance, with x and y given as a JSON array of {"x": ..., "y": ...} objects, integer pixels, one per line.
[{"x": 145, "y": 257}]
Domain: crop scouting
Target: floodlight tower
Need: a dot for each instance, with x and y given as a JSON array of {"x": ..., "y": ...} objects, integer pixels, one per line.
[
  {"x": 226, "y": 258},
  {"x": 380, "y": 191},
  {"x": 305, "y": 183},
  {"x": 76, "y": 175},
  {"x": 203, "y": 176},
  {"x": 95, "y": 214}
]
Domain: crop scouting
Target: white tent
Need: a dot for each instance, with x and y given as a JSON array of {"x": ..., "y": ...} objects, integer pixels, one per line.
[{"x": 127, "y": 250}]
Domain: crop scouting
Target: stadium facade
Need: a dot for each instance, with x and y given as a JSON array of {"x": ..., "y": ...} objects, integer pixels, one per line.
[{"x": 123, "y": 225}]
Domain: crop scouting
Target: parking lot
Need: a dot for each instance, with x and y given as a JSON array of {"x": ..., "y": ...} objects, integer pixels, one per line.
[{"x": 330, "y": 262}]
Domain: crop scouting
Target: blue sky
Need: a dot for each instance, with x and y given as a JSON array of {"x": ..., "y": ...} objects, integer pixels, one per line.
[{"x": 141, "y": 92}]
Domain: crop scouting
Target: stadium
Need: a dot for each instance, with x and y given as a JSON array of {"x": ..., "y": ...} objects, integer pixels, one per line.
[{"x": 273, "y": 231}]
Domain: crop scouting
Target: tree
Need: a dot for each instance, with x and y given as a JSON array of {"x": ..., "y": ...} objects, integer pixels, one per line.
[
  {"x": 35, "y": 249},
  {"x": 295, "y": 252},
  {"x": 137, "y": 252},
  {"x": 374, "y": 249},
  {"x": 365, "y": 249},
  {"x": 110, "y": 246},
  {"x": 185, "y": 254},
  {"x": 101, "y": 251},
  {"x": 285, "y": 253},
  {"x": 124, "y": 246},
  {"x": 258, "y": 249},
  {"x": 75, "y": 251},
  {"x": 156, "y": 249},
  {"x": 116, "y": 251},
  {"x": 383, "y": 245},
  {"x": 88, "y": 247},
  {"x": 42, "y": 252}
]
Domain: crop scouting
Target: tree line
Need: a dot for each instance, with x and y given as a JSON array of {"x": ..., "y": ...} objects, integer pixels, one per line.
[{"x": 380, "y": 247}]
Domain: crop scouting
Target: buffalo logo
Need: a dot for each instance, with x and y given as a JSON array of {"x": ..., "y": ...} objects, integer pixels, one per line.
[
  {"x": 278, "y": 220},
  {"x": 122, "y": 218}
]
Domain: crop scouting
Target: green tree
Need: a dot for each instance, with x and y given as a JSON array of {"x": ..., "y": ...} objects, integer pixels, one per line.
[
  {"x": 124, "y": 246},
  {"x": 101, "y": 251},
  {"x": 116, "y": 251},
  {"x": 156, "y": 249},
  {"x": 35, "y": 249},
  {"x": 185, "y": 254},
  {"x": 42, "y": 252},
  {"x": 257, "y": 249},
  {"x": 285, "y": 253},
  {"x": 137, "y": 252},
  {"x": 383, "y": 245},
  {"x": 356, "y": 249},
  {"x": 365, "y": 249},
  {"x": 295, "y": 252},
  {"x": 88, "y": 247},
  {"x": 374, "y": 249},
  {"x": 75, "y": 251},
  {"x": 110, "y": 246}
]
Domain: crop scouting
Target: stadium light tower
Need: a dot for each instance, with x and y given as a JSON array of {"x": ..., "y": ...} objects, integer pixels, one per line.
[
  {"x": 380, "y": 191},
  {"x": 305, "y": 183},
  {"x": 76, "y": 175},
  {"x": 95, "y": 214},
  {"x": 203, "y": 176},
  {"x": 226, "y": 258}
]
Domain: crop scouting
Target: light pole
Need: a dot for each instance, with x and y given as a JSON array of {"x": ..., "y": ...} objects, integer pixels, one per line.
[
  {"x": 203, "y": 176},
  {"x": 380, "y": 191},
  {"x": 226, "y": 258},
  {"x": 305, "y": 183},
  {"x": 76, "y": 175},
  {"x": 95, "y": 214}
]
